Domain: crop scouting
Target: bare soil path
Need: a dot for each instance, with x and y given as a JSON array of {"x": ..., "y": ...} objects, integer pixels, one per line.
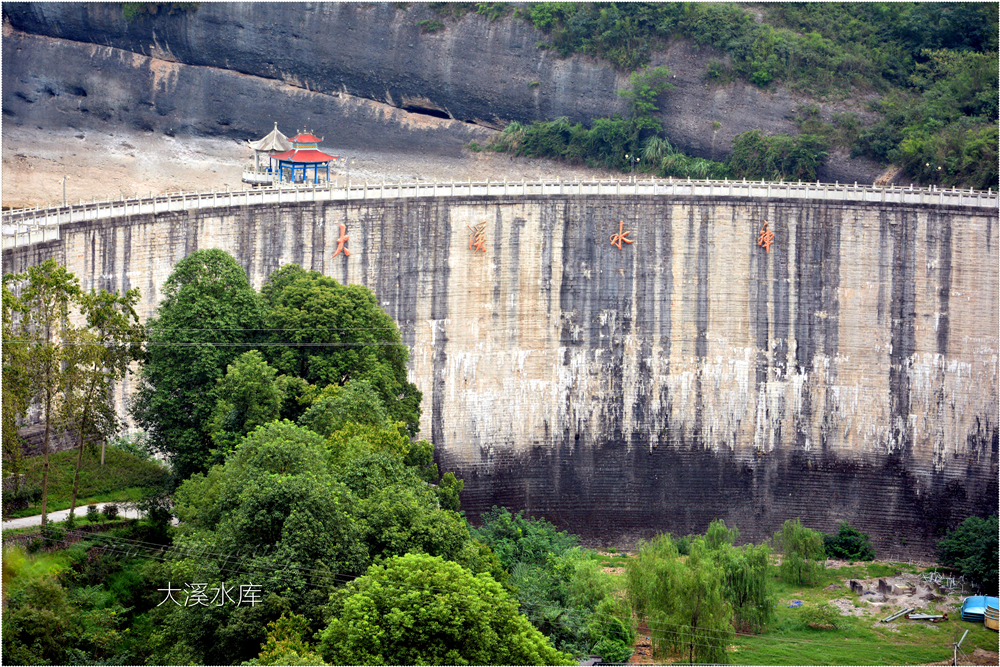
[{"x": 112, "y": 165}]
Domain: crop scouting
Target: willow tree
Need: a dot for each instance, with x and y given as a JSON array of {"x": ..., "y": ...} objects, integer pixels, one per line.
[
  {"x": 746, "y": 577},
  {"x": 682, "y": 601},
  {"x": 802, "y": 550}
]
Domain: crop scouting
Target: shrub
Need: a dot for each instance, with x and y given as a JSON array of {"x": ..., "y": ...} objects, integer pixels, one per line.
[
  {"x": 110, "y": 511},
  {"x": 821, "y": 617},
  {"x": 779, "y": 157},
  {"x": 971, "y": 548},
  {"x": 135, "y": 444},
  {"x": 420, "y": 609},
  {"x": 93, "y": 514},
  {"x": 430, "y": 25},
  {"x": 613, "y": 650},
  {"x": 849, "y": 544},
  {"x": 25, "y": 496},
  {"x": 52, "y": 536}
]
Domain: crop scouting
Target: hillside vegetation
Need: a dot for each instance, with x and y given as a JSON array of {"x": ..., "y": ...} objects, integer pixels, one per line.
[{"x": 928, "y": 69}]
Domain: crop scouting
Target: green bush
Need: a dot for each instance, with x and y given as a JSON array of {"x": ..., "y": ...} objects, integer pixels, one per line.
[
  {"x": 971, "y": 548},
  {"x": 135, "y": 444},
  {"x": 517, "y": 538},
  {"x": 25, "y": 496},
  {"x": 779, "y": 157},
  {"x": 613, "y": 650},
  {"x": 52, "y": 536},
  {"x": 848, "y": 544},
  {"x": 430, "y": 25},
  {"x": 93, "y": 513},
  {"x": 821, "y": 617},
  {"x": 110, "y": 511},
  {"x": 420, "y": 609}
]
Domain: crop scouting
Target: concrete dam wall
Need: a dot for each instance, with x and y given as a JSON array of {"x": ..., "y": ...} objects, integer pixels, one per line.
[{"x": 627, "y": 364}]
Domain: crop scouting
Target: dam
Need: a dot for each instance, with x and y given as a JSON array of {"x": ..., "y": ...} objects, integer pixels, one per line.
[{"x": 632, "y": 357}]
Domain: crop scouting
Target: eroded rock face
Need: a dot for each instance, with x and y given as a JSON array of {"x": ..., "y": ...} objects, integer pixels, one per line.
[
  {"x": 59, "y": 83},
  {"x": 847, "y": 374},
  {"x": 181, "y": 72}
]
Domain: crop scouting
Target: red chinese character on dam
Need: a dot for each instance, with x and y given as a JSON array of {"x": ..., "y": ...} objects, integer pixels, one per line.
[
  {"x": 344, "y": 238},
  {"x": 478, "y": 241},
  {"x": 616, "y": 239},
  {"x": 766, "y": 238}
]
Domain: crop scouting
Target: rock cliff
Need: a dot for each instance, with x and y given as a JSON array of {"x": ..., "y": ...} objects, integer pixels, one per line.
[{"x": 231, "y": 68}]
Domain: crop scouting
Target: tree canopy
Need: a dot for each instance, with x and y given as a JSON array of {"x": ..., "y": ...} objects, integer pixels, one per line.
[
  {"x": 682, "y": 600},
  {"x": 421, "y": 609},
  {"x": 299, "y": 512},
  {"x": 208, "y": 314},
  {"x": 971, "y": 548},
  {"x": 801, "y": 549},
  {"x": 327, "y": 333}
]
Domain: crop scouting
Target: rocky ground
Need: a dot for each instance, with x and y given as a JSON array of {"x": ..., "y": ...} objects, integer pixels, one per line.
[{"x": 116, "y": 164}]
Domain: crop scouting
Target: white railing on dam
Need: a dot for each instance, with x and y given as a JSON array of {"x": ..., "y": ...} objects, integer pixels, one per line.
[{"x": 27, "y": 226}]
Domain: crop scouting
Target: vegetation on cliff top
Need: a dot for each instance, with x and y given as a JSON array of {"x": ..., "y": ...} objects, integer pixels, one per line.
[
  {"x": 931, "y": 67},
  {"x": 637, "y": 143}
]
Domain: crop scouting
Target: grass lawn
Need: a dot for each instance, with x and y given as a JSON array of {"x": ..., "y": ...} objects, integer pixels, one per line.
[
  {"x": 861, "y": 640},
  {"x": 122, "y": 478}
]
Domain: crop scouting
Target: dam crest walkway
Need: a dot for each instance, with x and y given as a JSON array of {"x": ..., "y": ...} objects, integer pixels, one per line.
[{"x": 37, "y": 225}]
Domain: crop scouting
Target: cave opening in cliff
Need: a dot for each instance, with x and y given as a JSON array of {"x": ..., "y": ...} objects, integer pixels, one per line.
[{"x": 436, "y": 113}]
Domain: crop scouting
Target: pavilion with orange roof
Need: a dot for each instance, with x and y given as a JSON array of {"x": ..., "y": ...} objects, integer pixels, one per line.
[{"x": 293, "y": 165}]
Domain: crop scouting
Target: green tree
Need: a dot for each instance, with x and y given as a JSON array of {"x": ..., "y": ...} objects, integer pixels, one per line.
[
  {"x": 328, "y": 333},
  {"x": 801, "y": 549},
  {"x": 561, "y": 587},
  {"x": 746, "y": 573},
  {"x": 208, "y": 312},
  {"x": 516, "y": 538},
  {"x": 405, "y": 518},
  {"x": 250, "y": 395},
  {"x": 274, "y": 515},
  {"x": 419, "y": 609},
  {"x": 718, "y": 535},
  {"x": 286, "y": 643},
  {"x": 645, "y": 86},
  {"x": 16, "y": 386},
  {"x": 682, "y": 601},
  {"x": 849, "y": 543},
  {"x": 971, "y": 548},
  {"x": 357, "y": 402},
  {"x": 48, "y": 295},
  {"x": 99, "y": 356}
]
